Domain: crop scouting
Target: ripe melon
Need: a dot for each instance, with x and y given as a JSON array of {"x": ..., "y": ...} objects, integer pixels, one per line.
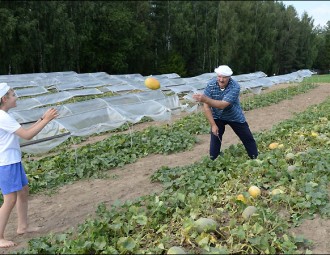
[
  {"x": 254, "y": 191},
  {"x": 273, "y": 146},
  {"x": 241, "y": 197},
  {"x": 152, "y": 83}
]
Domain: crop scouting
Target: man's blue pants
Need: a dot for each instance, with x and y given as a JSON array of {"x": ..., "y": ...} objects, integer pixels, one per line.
[{"x": 242, "y": 130}]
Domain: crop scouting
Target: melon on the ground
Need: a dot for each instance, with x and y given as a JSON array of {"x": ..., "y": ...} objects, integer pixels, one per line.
[
  {"x": 205, "y": 225},
  {"x": 289, "y": 156},
  {"x": 249, "y": 211},
  {"x": 241, "y": 197},
  {"x": 273, "y": 146},
  {"x": 277, "y": 191},
  {"x": 254, "y": 191}
]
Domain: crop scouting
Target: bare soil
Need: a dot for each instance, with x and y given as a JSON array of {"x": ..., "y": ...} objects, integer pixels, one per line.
[{"x": 72, "y": 204}]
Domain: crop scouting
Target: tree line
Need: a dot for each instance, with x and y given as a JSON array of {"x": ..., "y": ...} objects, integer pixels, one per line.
[{"x": 155, "y": 37}]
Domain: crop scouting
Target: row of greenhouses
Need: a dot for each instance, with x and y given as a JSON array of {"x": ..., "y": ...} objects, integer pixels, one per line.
[
  {"x": 131, "y": 101},
  {"x": 97, "y": 83}
]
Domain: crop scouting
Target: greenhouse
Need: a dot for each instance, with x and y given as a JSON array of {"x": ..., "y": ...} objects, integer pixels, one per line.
[{"x": 131, "y": 101}]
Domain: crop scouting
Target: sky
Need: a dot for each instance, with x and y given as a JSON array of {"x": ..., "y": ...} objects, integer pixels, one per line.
[{"x": 318, "y": 10}]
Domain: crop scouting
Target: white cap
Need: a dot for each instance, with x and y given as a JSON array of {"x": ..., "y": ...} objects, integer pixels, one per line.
[
  {"x": 4, "y": 88},
  {"x": 223, "y": 70}
]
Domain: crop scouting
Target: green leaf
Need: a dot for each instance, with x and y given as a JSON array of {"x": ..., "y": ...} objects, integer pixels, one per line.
[
  {"x": 126, "y": 244},
  {"x": 141, "y": 219}
]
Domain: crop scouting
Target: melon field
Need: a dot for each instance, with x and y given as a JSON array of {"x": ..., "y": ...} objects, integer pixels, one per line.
[{"x": 151, "y": 188}]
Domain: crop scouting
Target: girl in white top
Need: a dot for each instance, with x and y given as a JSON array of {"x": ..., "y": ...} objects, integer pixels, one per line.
[{"x": 13, "y": 180}]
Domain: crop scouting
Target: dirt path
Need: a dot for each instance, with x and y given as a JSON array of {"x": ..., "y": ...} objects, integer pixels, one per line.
[{"x": 73, "y": 203}]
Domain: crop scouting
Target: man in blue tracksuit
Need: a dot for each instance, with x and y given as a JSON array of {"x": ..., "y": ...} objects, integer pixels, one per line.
[{"x": 221, "y": 108}]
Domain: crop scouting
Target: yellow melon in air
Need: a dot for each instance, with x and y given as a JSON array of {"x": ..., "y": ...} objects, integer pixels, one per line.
[{"x": 152, "y": 83}]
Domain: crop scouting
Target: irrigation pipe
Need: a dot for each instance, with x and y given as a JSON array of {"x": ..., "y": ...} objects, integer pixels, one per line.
[{"x": 44, "y": 139}]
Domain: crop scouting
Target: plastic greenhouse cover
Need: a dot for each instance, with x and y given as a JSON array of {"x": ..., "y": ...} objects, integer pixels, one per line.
[
  {"x": 93, "y": 121},
  {"x": 20, "y": 84},
  {"x": 23, "y": 77},
  {"x": 110, "y": 80},
  {"x": 135, "y": 76},
  {"x": 100, "y": 75},
  {"x": 206, "y": 76},
  {"x": 52, "y": 129},
  {"x": 246, "y": 84},
  {"x": 165, "y": 76},
  {"x": 96, "y": 121},
  {"x": 121, "y": 100},
  {"x": 150, "y": 95},
  {"x": 42, "y": 147},
  {"x": 135, "y": 82},
  {"x": 85, "y": 92},
  {"x": 64, "y": 78},
  {"x": 182, "y": 88},
  {"x": 305, "y": 72},
  {"x": 87, "y": 76},
  {"x": 164, "y": 82},
  {"x": 248, "y": 77},
  {"x": 121, "y": 83},
  {"x": 27, "y": 115},
  {"x": 118, "y": 88},
  {"x": 264, "y": 82},
  {"x": 129, "y": 80},
  {"x": 141, "y": 87},
  {"x": 31, "y": 91},
  {"x": 107, "y": 113},
  {"x": 54, "y": 98},
  {"x": 83, "y": 106},
  {"x": 285, "y": 78},
  {"x": 171, "y": 102},
  {"x": 47, "y": 82},
  {"x": 173, "y": 82},
  {"x": 135, "y": 112},
  {"x": 67, "y": 85},
  {"x": 105, "y": 89},
  {"x": 103, "y": 119},
  {"x": 25, "y": 104},
  {"x": 190, "y": 80},
  {"x": 198, "y": 85},
  {"x": 255, "y": 90},
  {"x": 61, "y": 74}
]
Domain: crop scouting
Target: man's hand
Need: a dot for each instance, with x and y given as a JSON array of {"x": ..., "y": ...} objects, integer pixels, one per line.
[
  {"x": 220, "y": 104},
  {"x": 199, "y": 97},
  {"x": 215, "y": 130}
]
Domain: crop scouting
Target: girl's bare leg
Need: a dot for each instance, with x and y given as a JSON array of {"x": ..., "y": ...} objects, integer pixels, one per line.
[
  {"x": 22, "y": 212},
  {"x": 9, "y": 201}
]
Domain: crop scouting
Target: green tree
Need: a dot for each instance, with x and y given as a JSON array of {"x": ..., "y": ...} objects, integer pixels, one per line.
[
  {"x": 7, "y": 35},
  {"x": 151, "y": 37},
  {"x": 322, "y": 62},
  {"x": 287, "y": 39}
]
